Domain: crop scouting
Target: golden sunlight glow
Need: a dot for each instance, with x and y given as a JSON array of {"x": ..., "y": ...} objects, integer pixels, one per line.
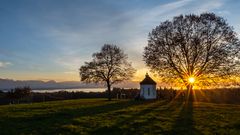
[
  {"x": 140, "y": 74},
  {"x": 191, "y": 79}
]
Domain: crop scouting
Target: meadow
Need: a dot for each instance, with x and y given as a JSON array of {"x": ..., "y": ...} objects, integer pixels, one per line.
[{"x": 98, "y": 116}]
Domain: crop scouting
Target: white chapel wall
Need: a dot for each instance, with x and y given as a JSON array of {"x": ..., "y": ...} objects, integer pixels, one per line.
[{"x": 148, "y": 91}]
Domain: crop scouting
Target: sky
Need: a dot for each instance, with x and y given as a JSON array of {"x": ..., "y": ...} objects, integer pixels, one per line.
[{"x": 51, "y": 39}]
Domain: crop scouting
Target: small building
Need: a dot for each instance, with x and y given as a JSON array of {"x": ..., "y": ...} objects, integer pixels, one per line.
[{"x": 148, "y": 88}]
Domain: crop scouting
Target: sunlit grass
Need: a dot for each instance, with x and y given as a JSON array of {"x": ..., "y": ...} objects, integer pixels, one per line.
[{"x": 98, "y": 116}]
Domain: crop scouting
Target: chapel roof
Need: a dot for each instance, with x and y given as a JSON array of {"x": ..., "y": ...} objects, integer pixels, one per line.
[{"x": 148, "y": 80}]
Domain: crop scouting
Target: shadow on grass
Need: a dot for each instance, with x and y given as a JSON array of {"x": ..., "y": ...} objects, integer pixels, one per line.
[
  {"x": 184, "y": 125},
  {"x": 125, "y": 117},
  {"x": 140, "y": 122},
  {"x": 51, "y": 123}
]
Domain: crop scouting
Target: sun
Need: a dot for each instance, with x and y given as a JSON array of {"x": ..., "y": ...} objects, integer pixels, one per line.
[{"x": 191, "y": 80}]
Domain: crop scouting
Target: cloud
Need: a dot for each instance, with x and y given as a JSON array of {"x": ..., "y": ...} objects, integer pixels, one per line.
[
  {"x": 4, "y": 64},
  {"x": 71, "y": 72},
  {"x": 127, "y": 29},
  {"x": 141, "y": 22},
  {"x": 70, "y": 62},
  {"x": 76, "y": 41}
]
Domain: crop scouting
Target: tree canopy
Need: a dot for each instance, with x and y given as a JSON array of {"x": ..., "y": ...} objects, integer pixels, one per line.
[
  {"x": 201, "y": 46},
  {"x": 109, "y": 66}
]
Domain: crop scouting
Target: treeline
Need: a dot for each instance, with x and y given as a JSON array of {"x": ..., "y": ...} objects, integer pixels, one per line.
[
  {"x": 14, "y": 96},
  {"x": 223, "y": 95},
  {"x": 25, "y": 95}
]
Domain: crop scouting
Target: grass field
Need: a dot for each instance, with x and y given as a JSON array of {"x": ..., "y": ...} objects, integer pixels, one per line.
[{"x": 98, "y": 116}]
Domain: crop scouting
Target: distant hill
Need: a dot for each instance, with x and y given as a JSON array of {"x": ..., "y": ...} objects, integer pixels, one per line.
[{"x": 7, "y": 84}]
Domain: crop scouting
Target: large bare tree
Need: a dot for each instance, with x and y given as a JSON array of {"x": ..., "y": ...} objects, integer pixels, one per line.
[
  {"x": 109, "y": 66},
  {"x": 202, "y": 47}
]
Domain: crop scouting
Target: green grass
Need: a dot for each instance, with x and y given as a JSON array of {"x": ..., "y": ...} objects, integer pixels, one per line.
[{"x": 98, "y": 116}]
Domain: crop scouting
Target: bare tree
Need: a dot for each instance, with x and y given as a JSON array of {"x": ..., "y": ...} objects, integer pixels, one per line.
[
  {"x": 202, "y": 47},
  {"x": 109, "y": 66}
]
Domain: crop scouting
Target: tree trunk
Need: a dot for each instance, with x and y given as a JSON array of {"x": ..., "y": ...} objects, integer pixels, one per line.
[
  {"x": 109, "y": 90},
  {"x": 190, "y": 95}
]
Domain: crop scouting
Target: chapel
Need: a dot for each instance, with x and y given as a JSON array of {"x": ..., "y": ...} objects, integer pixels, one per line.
[{"x": 148, "y": 88}]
